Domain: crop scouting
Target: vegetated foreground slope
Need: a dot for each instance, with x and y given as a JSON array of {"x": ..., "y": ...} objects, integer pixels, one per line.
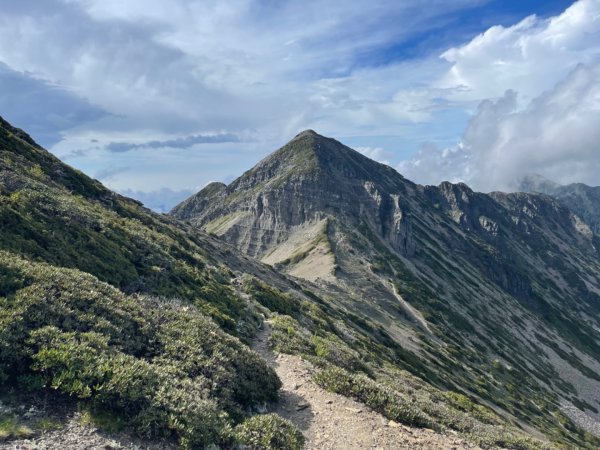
[
  {"x": 107, "y": 302},
  {"x": 495, "y": 295},
  {"x": 143, "y": 321}
]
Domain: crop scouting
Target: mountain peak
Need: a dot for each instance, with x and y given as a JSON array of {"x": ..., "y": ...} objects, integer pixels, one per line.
[
  {"x": 309, "y": 178},
  {"x": 314, "y": 155},
  {"x": 309, "y": 140},
  {"x": 308, "y": 132},
  {"x": 308, "y": 163}
]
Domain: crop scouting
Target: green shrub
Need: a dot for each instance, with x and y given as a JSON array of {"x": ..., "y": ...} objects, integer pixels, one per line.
[
  {"x": 157, "y": 367},
  {"x": 463, "y": 403},
  {"x": 334, "y": 350},
  {"x": 499, "y": 437},
  {"x": 239, "y": 379},
  {"x": 270, "y": 298},
  {"x": 11, "y": 428},
  {"x": 288, "y": 336},
  {"x": 151, "y": 397},
  {"x": 85, "y": 366},
  {"x": 104, "y": 420},
  {"x": 377, "y": 396},
  {"x": 182, "y": 407},
  {"x": 269, "y": 431}
]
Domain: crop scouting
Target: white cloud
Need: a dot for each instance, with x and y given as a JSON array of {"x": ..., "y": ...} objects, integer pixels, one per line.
[
  {"x": 47, "y": 109},
  {"x": 529, "y": 57},
  {"x": 206, "y": 67},
  {"x": 161, "y": 71},
  {"x": 538, "y": 88},
  {"x": 431, "y": 165},
  {"x": 556, "y": 135}
]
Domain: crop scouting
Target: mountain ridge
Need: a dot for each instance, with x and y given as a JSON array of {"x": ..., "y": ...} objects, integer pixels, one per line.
[
  {"x": 397, "y": 252},
  {"x": 584, "y": 200}
]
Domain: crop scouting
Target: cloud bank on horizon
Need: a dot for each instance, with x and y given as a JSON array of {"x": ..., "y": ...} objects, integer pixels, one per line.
[{"x": 157, "y": 98}]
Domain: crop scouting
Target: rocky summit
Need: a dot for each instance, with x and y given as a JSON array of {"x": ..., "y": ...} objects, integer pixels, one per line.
[
  {"x": 493, "y": 294},
  {"x": 310, "y": 179}
]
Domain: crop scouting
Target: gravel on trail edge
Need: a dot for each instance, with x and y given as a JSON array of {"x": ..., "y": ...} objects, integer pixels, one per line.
[
  {"x": 330, "y": 421},
  {"x": 75, "y": 436}
]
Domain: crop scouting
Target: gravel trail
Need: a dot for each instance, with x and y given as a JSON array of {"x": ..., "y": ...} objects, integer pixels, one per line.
[{"x": 330, "y": 421}]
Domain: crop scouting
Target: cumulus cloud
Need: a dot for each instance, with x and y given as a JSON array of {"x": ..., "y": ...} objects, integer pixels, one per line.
[
  {"x": 556, "y": 135},
  {"x": 431, "y": 164},
  {"x": 188, "y": 67},
  {"x": 529, "y": 57},
  {"x": 537, "y": 88}
]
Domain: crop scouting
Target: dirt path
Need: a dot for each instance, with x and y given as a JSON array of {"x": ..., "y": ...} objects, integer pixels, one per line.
[{"x": 330, "y": 421}]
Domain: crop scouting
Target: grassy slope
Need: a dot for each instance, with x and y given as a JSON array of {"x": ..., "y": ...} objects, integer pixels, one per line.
[
  {"x": 52, "y": 213},
  {"x": 163, "y": 368}
]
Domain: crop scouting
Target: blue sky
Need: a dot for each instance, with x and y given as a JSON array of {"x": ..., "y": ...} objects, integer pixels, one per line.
[{"x": 156, "y": 98}]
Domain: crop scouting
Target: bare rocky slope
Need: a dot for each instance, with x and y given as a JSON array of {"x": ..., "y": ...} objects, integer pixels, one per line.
[{"x": 494, "y": 295}]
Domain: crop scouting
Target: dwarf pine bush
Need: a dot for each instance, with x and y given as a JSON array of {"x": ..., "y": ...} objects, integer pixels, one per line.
[
  {"x": 269, "y": 431},
  {"x": 165, "y": 369}
]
